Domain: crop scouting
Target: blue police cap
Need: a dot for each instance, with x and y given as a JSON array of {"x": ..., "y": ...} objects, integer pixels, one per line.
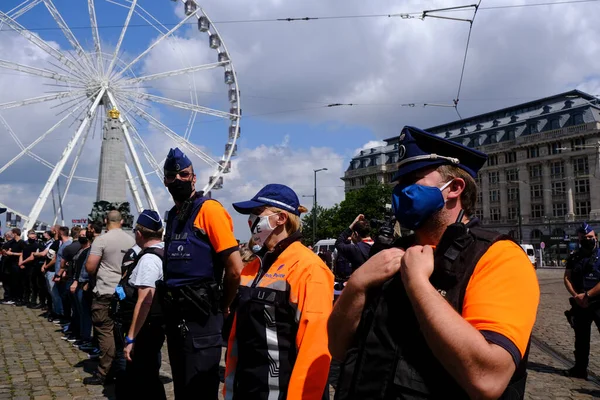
[
  {"x": 150, "y": 219},
  {"x": 419, "y": 149},
  {"x": 176, "y": 160},
  {"x": 585, "y": 228},
  {"x": 273, "y": 195}
]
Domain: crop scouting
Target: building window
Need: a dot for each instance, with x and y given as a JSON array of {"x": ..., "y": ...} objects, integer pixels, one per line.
[
  {"x": 362, "y": 181},
  {"x": 577, "y": 119},
  {"x": 580, "y": 166},
  {"x": 533, "y": 128},
  {"x": 554, "y": 148},
  {"x": 577, "y": 144},
  {"x": 493, "y": 160},
  {"x": 537, "y": 210},
  {"x": 513, "y": 194},
  {"x": 536, "y": 192},
  {"x": 582, "y": 186},
  {"x": 533, "y": 152},
  {"x": 510, "y": 134},
  {"x": 478, "y": 213},
  {"x": 510, "y": 157},
  {"x": 582, "y": 208},
  {"x": 535, "y": 171},
  {"x": 353, "y": 182},
  {"x": 494, "y": 195},
  {"x": 559, "y": 209},
  {"x": 512, "y": 175},
  {"x": 479, "y": 198},
  {"x": 558, "y": 188},
  {"x": 493, "y": 177},
  {"x": 554, "y": 124},
  {"x": 512, "y": 212},
  {"x": 495, "y": 214},
  {"x": 557, "y": 169}
]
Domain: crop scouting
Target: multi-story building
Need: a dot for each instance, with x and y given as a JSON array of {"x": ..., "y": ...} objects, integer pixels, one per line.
[{"x": 543, "y": 166}]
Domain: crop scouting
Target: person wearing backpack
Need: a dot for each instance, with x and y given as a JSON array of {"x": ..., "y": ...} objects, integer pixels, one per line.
[
  {"x": 357, "y": 251},
  {"x": 140, "y": 312}
]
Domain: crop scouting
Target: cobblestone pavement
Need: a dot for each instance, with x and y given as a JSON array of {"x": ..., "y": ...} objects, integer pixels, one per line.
[{"x": 36, "y": 364}]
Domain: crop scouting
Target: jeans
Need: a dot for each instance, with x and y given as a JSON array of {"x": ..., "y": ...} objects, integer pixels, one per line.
[
  {"x": 84, "y": 309},
  {"x": 57, "y": 307}
]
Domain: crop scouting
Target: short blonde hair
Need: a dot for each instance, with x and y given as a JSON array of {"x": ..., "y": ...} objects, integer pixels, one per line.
[{"x": 293, "y": 223}]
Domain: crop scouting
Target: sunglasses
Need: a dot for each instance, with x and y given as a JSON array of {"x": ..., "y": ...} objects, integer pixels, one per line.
[{"x": 182, "y": 174}]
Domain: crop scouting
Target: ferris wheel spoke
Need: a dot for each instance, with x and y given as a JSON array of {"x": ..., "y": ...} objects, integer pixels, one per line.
[
  {"x": 95, "y": 33},
  {"x": 17, "y": 13},
  {"x": 134, "y": 156},
  {"x": 74, "y": 165},
  {"x": 39, "y": 204},
  {"x": 120, "y": 42},
  {"x": 153, "y": 45},
  {"x": 134, "y": 191},
  {"x": 36, "y": 71},
  {"x": 41, "y": 99},
  {"x": 87, "y": 64},
  {"x": 175, "y": 137},
  {"x": 37, "y": 41},
  {"x": 147, "y": 153},
  {"x": 27, "y": 150},
  {"x": 183, "y": 105},
  {"x": 176, "y": 72}
]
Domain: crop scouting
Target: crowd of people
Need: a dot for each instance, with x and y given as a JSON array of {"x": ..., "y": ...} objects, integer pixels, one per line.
[{"x": 446, "y": 312}]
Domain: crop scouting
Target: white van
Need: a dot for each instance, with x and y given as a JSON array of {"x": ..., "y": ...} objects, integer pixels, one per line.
[
  {"x": 325, "y": 244},
  {"x": 530, "y": 252}
]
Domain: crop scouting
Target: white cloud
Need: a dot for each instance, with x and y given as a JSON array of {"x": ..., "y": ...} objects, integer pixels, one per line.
[{"x": 370, "y": 145}]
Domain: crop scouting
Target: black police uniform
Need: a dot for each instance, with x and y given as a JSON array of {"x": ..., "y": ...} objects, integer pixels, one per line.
[
  {"x": 141, "y": 379},
  {"x": 585, "y": 274},
  {"x": 191, "y": 301},
  {"x": 390, "y": 359}
]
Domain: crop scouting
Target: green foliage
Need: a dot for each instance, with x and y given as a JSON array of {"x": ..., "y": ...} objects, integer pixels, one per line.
[
  {"x": 370, "y": 201},
  {"x": 101, "y": 208}
]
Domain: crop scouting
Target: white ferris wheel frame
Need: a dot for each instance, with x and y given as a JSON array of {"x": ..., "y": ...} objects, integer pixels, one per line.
[{"x": 91, "y": 84}]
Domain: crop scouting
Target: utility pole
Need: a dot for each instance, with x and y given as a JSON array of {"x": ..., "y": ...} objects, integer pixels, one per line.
[{"x": 315, "y": 206}]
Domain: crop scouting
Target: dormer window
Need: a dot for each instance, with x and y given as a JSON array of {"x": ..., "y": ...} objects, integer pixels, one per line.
[
  {"x": 478, "y": 127},
  {"x": 463, "y": 130},
  {"x": 546, "y": 109},
  {"x": 448, "y": 134},
  {"x": 514, "y": 118},
  {"x": 568, "y": 103},
  {"x": 496, "y": 122}
]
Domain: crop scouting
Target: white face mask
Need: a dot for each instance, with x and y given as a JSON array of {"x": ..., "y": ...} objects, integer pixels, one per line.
[{"x": 261, "y": 229}]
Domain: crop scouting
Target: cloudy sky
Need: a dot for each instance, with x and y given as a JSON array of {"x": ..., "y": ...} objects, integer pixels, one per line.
[{"x": 288, "y": 73}]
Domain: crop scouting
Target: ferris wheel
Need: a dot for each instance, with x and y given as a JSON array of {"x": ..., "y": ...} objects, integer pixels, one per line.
[{"x": 101, "y": 82}]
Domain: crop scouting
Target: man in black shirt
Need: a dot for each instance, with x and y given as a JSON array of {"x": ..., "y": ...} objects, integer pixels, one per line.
[
  {"x": 67, "y": 273},
  {"x": 14, "y": 251},
  {"x": 27, "y": 264},
  {"x": 8, "y": 240},
  {"x": 356, "y": 252}
]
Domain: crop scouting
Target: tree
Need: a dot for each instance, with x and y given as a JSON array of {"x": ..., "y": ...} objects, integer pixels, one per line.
[{"x": 370, "y": 201}]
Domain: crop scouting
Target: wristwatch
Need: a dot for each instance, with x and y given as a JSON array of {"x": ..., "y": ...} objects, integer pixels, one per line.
[{"x": 128, "y": 340}]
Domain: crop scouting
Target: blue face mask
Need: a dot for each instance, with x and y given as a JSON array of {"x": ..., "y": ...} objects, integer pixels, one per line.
[{"x": 414, "y": 204}]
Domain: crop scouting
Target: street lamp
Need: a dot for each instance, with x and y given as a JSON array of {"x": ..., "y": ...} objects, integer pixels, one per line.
[{"x": 315, "y": 206}]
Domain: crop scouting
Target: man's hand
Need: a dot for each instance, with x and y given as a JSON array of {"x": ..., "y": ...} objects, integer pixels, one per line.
[
  {"x": 86, "y": 287},
  {"x": 21, "y": 266},
  {"x": 378, "y": 269},
  {"x": 360, "y": 217},
  {"x": 73, "y": 287},
  {"x": 581, "y": 300},
  {"x": 128, "y": 350},
  {"x": 417, "y": 265}
]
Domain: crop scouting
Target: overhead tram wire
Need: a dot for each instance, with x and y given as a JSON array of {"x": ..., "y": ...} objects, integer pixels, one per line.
[{"x": 408, "y": 15}]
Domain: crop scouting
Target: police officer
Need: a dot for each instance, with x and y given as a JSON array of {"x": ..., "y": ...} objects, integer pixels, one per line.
[
  {"x": 582, "y": 280},
  {"x": 202, "y": 274},
  {"x": 446, "y": 313}
]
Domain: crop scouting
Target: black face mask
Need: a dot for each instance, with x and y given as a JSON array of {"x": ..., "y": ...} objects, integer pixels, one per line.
[
  {"x": 588, "y": 244},
  {"x": 180, "y": 190},
  {"x": 32, "y": 240},
  {"x": 83, "y": 240}
]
